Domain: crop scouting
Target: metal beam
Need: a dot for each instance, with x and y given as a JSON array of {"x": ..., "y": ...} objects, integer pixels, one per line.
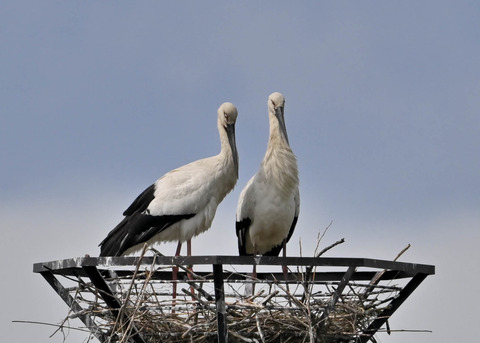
[
  {"x": 70, "y": 264},
  {"x": 235, "y": 276}
]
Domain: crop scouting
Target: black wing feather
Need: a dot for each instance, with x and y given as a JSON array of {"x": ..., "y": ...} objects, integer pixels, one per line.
[
  {"x": 137, "y": 227},
  {"x": 141, "y": 203},
  {"x": 241, "y": 228}
]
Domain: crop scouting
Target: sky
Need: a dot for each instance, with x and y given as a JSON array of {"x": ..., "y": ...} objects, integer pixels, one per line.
[{"x": 99, "y": 99}]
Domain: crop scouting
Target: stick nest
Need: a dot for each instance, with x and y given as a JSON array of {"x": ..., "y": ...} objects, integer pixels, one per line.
[{"x": 274, "y": 310}]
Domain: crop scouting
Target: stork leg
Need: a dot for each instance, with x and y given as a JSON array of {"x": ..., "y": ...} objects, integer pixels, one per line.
[
  {"x": 175, "y": 275},
  {"x": 254, "y": 271},
  {"x": 255, "y": 254},
  {"x": 250, "y": 278},
  {"x": 284, "y": 267},
  {"x": 190, "y": 267}
]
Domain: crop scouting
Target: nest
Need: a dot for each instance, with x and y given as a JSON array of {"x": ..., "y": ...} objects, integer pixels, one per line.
[
  {"x": 307, "y": 304},
  {"x": 273, "y": 310}
]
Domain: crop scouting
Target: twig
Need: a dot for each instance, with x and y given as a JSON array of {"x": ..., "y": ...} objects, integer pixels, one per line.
[
  {"x": 405, "y": 330},
  {"x": 256, "y": 295},
  {"x": 330, "y": 247},
  {"x": 200, "y": 290},
  {"x": 127, "y": 299},
  {"x": 49, "y": 324},
  {"x": 237, "y": 335},
  {"x": 401, "y": 252},
  {"x": 319, "y": 237},
  {"x": 379, "y": 274},
  {"x": 308, "y": 270},
  {"x": 257, "y": 321},
  {"x": 269, "y": 297}
]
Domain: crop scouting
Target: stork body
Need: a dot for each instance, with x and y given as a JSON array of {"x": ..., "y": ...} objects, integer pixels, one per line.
[
  {"x": 269, "y": 204},
  {"x": 182, "y": 203}
]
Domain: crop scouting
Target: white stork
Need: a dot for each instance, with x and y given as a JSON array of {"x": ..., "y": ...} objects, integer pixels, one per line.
[
  {"x": 269, "y": 204},
  {"x": 182, "y": 203}
]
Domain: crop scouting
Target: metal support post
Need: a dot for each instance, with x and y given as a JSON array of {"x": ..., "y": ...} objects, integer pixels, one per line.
[{"x": 222, "y": 332}]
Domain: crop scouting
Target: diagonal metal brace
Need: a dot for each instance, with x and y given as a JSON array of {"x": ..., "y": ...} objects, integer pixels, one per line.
[
  {"x": 74, "y": 305},
  {"x": 338, "y": 292},
  {"x": 110, "y": 299},
  {"x": 394, "y": 305}
]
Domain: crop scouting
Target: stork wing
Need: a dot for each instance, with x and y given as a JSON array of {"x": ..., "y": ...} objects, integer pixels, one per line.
[
  {"x": 136, "y": 229},
  {"x": 141, "y": 203},
  {"x": 246, "y": 203},
  {"x": 275, "y": 251},
  {"x": 297, "y": 212}
]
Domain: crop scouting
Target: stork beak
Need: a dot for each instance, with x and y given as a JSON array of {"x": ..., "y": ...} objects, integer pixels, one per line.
[
  {"x": 231, "y": 140},
  {"x": 281, "y": 122}
]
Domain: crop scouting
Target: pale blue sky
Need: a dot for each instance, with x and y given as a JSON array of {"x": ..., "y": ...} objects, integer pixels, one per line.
[{"x": 99, "y": 99}]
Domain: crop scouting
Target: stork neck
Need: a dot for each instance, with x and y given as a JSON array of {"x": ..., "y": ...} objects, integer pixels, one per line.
[
  {"x": 228, "y": 153},
  {"x": 276, "y": 137},
  {"x": 279, "y": 166}
]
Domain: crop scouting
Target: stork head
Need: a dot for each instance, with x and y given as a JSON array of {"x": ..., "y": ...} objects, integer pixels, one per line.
[
  {"x": 276, "y": 106},
  {"x": 276, "y": 100},
  {"x": 227, "y": 116}
]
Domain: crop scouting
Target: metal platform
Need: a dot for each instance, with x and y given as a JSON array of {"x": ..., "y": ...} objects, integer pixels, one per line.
[{"x": 377, "y": 285}]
